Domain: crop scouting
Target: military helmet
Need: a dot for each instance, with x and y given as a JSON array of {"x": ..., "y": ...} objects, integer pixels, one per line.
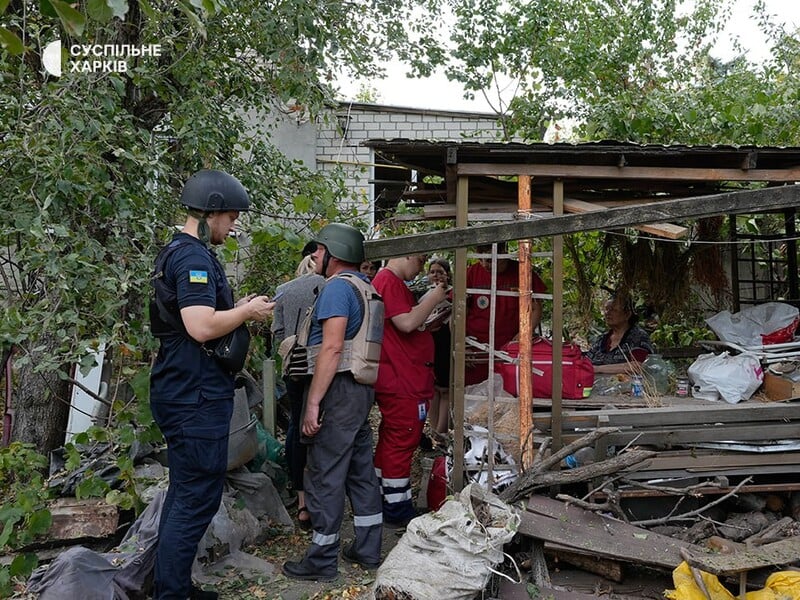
[
  {"x": 343, "y": 242},
  {"x": 210, "y": 190}
]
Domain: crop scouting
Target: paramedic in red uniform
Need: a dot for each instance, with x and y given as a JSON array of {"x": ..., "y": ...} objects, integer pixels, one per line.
[
  {"x": 405, "y": 381},
  {"x": 479, "y": 275}
]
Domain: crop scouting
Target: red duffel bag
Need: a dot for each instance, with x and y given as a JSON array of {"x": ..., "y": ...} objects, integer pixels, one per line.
[{"x": 577, "y": 370}]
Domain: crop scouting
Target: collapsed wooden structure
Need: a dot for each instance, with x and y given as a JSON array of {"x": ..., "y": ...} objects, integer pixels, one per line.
[{"x": 540, "y": 190}]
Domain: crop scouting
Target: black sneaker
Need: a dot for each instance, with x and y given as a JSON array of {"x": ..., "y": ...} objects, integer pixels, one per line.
[
  {"x": 350, "y": 554},
  {"x": 296, "y": 569},
  {"x": 195, "y": 593}
]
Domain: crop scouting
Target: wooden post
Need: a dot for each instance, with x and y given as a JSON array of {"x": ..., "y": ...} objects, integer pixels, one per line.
[
  {"x": 459, "y": 333},
  {"x": 558, "y": 315},
  {"x": 268, "y": 407},
  {"x": 525, "y": 331}
]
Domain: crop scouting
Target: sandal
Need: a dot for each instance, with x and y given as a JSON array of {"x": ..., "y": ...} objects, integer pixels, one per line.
[{"x": 305, "y": 524}]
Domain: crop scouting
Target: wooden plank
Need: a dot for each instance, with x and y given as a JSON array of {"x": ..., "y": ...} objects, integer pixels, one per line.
[
  {"x": 598, "y": 402},
  {"x": 769, "y": 469},
  {"x": 665, "y": 230},
  {"x": 692, "y": 461},
  {"x": 587, "y": 532},
  {"x": 672, "y": 416},
  {"x": 609, "y": 569},
  {"x": 759, "y": 201},
  {"x": 640, "y": 173},
  {"x": 683, "y": 435},
  {"x": 75, "y": 519},
  {"x": 784, "y": 552},
  {"x": 673, "y": 437}
]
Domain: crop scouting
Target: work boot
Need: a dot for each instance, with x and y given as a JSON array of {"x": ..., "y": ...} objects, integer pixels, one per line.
[
  {"x": 349, "y": 553},
  {"x": 297, "y": 569}
]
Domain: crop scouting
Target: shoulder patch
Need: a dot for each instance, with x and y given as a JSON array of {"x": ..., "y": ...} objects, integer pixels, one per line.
[{"x": 198, "y": 276}]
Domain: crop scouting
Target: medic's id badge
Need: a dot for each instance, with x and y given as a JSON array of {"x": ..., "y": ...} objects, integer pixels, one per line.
[{"x": 423, "y": 411}]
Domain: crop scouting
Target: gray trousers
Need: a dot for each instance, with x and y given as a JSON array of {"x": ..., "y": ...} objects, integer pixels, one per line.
[{"x": 339, "y": 463}]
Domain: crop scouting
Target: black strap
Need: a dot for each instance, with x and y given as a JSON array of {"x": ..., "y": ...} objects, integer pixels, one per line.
[{"x": 166, "y": 315}]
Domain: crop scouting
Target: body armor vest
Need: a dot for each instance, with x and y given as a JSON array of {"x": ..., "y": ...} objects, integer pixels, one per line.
[{"x": 360, "y": 355}]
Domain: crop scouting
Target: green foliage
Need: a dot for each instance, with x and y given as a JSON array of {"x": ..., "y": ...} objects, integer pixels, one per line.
[
  {"x": 637, "y": 70},
  {"x": 682, "y": 334},
  {"x": 23, "y": 512},
  {"x": 93, "y": 162}
]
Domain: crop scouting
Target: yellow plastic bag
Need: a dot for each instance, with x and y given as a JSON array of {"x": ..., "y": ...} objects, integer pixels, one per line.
[{"x": 783, "y": 585}]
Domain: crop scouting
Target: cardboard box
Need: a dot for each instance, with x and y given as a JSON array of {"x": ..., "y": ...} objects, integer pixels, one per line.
[{"x": 780, "y": 388}]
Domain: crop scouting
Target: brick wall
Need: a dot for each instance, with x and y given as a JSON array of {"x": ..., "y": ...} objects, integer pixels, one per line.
[{"x": 341, "y": 132}]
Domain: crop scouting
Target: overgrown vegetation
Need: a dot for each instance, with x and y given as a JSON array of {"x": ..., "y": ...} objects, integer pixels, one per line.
[{"x": 23, "y": 513}]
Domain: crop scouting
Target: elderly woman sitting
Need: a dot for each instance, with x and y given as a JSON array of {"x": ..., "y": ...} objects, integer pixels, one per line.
[{"x": 624, "y": 345}]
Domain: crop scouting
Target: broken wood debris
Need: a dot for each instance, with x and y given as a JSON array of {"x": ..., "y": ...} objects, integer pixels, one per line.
[
  {"x": 585, "y": 532},
  {"x": 74, "y": 519},
  {"x": 538, "y": 476}
]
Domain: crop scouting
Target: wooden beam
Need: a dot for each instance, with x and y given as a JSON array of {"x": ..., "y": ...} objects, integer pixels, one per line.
[
  {"x": 661, "y": 416},
  {"x": 558, "y": 319},
  {"x": 757, "y": 201},
  {"x": 525, "y": 332},
  {"x": 459, "y": 333},
  {"x": 665, "y": 230},
  {"x": 608, "y": 568},
  {"x": 641, "y": 173}
]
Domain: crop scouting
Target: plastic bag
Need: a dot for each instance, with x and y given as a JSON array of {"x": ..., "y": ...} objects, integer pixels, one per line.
[
  {"x": 770, "y": 323},
  {"x": 735, "y": 378},
  {"x": 782, "y": 585}
]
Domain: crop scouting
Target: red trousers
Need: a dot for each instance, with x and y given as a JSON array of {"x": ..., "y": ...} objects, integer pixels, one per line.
[{"x": 402, "y": 420}]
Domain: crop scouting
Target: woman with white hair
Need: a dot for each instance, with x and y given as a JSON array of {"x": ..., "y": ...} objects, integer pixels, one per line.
[{"x": 292, "y": 301}]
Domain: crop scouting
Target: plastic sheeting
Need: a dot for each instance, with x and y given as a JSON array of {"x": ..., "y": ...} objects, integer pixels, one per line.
[
  {"x": 83, "y": 573},
  {"x": 783, "y": 585}
]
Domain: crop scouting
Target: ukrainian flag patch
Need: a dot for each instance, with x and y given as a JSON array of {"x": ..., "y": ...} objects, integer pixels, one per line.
[{"x": 198, "y": 276}]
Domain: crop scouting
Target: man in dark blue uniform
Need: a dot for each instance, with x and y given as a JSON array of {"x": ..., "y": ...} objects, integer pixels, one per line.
[
  {"x": 191, "y": 393},
  {"x": 337, "y": 401}
]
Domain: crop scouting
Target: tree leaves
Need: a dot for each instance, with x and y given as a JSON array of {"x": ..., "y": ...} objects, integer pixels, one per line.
[
  {"x": 10, "y": 41},
  {"x": 73, "y": 22}
]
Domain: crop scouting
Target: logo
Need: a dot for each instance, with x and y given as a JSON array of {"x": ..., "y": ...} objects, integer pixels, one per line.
[
  {"x": 95, "y": 58},
  {"x": 51, "y": 58}
]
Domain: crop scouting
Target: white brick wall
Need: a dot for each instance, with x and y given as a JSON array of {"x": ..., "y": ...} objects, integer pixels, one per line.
[{"x": 366, "y": 121}]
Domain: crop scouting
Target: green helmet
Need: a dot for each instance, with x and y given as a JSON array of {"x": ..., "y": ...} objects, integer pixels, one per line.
[
  {"x": 210, "y": 190},
  {"x": 343, "y": 242}
]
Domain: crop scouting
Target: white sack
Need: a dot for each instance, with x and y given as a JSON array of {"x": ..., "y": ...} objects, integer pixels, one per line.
[{"x": 449, "y": 554}]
